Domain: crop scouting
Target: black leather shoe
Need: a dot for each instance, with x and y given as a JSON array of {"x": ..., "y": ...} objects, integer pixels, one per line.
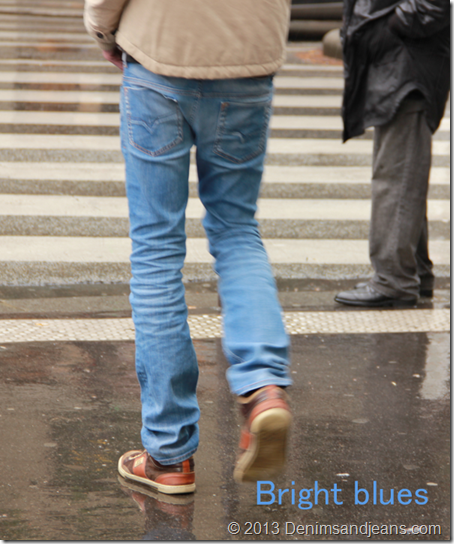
[
  {"x": 428, "y": 293},
  {"x": 368, "y": 296}
]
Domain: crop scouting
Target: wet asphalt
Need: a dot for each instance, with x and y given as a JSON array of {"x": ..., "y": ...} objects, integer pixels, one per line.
[{"x": 371, "y": 412}]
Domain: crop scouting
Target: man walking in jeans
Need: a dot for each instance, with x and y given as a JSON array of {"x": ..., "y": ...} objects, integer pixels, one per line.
[{"x": 198, "y": 73}]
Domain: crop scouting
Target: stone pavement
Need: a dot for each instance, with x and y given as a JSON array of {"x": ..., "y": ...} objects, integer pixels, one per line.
[{"x": 370, "y": 395}]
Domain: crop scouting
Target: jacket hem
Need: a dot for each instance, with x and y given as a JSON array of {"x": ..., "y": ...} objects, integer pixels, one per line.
[
  {"x": 380, "y": 120},
  {"x": 199, "y": 72}
]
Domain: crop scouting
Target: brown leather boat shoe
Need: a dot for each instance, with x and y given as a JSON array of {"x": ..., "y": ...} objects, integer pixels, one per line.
[
  {"x": 138, "y": 465},
  {"x": 263, "y": 439}
]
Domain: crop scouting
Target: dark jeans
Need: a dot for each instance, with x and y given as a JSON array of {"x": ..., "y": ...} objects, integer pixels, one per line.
[{"x": 398, "y": 239}]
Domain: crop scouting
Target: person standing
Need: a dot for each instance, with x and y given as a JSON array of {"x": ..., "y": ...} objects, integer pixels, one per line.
[
  {"x": 397, "y": 78},
  {"x": 198, "y": 73}
]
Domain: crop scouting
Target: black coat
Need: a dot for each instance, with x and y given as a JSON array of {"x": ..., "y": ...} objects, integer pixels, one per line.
[{"x": 390, "y": 49}]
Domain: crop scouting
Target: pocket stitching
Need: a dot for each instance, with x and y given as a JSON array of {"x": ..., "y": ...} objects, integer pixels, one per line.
[
  {"x": 220, "y": 132},
  {"x": 162, "y": 150}
]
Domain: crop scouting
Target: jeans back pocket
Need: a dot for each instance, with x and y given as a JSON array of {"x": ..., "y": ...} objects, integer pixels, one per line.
[
  {"x": 155, "y": 123},
  {"x": 242, "y": 130}
]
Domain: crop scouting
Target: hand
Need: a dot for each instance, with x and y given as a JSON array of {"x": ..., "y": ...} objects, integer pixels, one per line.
[{"x": 114, "y": 56}]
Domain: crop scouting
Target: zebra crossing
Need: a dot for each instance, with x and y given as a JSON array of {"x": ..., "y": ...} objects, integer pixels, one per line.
[{"x": 63, "y": 212}]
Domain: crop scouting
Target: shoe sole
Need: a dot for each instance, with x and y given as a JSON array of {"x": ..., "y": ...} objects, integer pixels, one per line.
[
  {"x": 153, "y": 494},
  {"x": 265, "y": 455},
  {"x": 426, "y": 293},
  {"x": 383, "y": 304},
  {"x": 166, "y": 489}
]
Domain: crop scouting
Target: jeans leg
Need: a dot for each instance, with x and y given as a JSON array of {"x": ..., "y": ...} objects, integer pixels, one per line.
[
  {"x": 402, "y": 156},
  {"x": 230, "y": 160},
  {"x": 156, "y": 142}
]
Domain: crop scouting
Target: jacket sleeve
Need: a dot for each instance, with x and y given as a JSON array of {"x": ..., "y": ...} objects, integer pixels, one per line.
[
  {"x": 101, "y": 19},
  {"x": 420, "y": 18}
]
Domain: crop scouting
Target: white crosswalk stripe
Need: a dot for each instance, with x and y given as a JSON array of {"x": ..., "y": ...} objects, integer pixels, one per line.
[
  {"x": 62, "y": 201},
  {"x": 117, "y": 250},
  {"x": 285, "y": 122},
  {"x": 280, "y": 208},
  {"x": 276, "y": 146},
  {"x": 98, "y": 172}
]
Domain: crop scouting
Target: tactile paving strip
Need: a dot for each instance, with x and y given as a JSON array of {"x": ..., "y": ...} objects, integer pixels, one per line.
[{"x": 210, "y": 326}]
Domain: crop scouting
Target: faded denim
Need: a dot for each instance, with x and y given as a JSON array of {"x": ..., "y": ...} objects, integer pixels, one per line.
[{"x": 227, "y": 120}]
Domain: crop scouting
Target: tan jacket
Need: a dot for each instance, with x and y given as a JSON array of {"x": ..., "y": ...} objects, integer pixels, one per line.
[{"x": 200, "y": 39}]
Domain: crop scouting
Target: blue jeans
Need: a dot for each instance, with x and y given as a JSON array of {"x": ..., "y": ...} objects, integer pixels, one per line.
[{"x": 227, "y": 120}]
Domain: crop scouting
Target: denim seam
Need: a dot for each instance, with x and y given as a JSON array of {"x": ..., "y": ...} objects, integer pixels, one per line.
[
  {"x": 195, "y": 106},
  {"x": 174, "y": 90},
  {"x": 233, "y": 95},
  {"x": 147, "y": 84},
  {"x": 162, "y": 150}
]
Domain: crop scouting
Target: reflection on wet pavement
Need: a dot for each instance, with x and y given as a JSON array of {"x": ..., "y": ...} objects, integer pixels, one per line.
[
  {"x": 166, "y": 517},
  {"x": 367, "y": 408}
]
